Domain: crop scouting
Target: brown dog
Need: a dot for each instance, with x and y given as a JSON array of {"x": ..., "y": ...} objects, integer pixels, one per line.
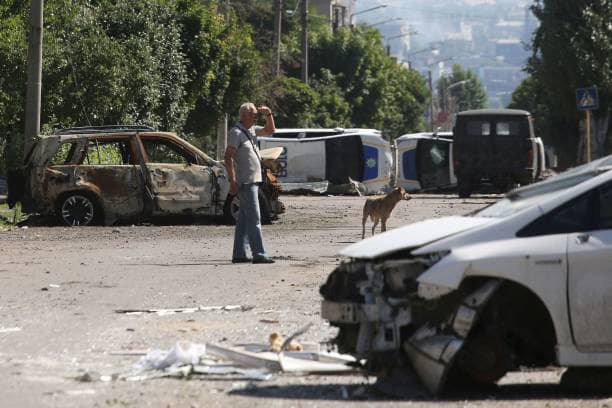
[{"x": 379, "y": 208}]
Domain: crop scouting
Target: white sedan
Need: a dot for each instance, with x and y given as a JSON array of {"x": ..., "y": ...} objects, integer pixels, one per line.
[{"x": 526, "y": 281}]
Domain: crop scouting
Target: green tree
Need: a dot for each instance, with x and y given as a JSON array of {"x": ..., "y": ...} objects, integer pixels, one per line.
[
  {"x": 381, "y": 93},
  {"x": 332, "y": 109},
  {"x": 572, "y": 48},
  {"x": 13, "y": 52},
  {"x": 461, "y": 90},
  {"x": 171, "y": 64}
]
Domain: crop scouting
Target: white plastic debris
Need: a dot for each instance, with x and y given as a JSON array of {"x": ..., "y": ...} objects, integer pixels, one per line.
[
  {"x": 9, "y": 329},
  {"x": 189, "y": 353},
  {"x": 165, "y": 312}
]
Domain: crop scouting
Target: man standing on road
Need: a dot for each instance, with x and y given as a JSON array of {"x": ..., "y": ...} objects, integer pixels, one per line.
[{"x": 244, "y": 170}]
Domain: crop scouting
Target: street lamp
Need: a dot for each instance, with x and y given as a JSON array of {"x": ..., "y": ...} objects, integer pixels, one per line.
[
  {"x": 421, "y": 51},
  {"x": 456, "y": 84},
  {"x": 397, "y": 36},
  {"x": 385, "y": 21},
  {"x": 449, "y": 100},
  {"x": 431, "y": 91},
  {"x": 364, "y": 11}
]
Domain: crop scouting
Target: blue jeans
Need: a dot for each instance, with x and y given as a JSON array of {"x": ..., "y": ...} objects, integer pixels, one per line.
[{"x": 248, "y": 225}]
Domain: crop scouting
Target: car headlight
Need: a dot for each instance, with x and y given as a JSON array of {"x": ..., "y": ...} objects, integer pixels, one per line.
[{"x": 435, "y": 257}]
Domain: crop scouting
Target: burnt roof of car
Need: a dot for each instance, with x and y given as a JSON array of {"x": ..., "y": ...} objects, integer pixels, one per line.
[
  {"x": 509, "y": 112},
  {"x": 103, "y": 129}
]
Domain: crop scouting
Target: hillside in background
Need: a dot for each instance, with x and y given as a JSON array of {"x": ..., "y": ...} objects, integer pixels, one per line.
[{"x": 489, "y": 37}]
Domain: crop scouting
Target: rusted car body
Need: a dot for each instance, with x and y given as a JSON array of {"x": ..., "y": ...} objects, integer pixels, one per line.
[{"x": 110, "y": 174}]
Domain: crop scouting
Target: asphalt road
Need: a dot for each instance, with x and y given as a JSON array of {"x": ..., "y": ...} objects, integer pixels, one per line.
[{"x": 60, "y": 288}]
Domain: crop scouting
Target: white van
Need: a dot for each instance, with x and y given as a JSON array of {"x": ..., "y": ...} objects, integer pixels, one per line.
[
  {"x": 424, "y": 161},
  {"x": 359, "y": 154}
]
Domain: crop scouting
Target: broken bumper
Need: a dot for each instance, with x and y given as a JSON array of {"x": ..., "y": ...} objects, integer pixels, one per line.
[{"x": 383, "y": 324}]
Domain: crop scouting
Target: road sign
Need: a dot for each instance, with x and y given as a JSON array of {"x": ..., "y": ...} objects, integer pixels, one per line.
[{"x": 587, "y": 98}]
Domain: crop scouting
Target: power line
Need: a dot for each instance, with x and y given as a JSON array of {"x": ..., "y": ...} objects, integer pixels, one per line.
[{"x": 448, "y": 14}]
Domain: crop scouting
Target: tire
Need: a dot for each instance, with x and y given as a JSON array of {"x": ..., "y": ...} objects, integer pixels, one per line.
[
  {"x": 483, "y": 360},
  {"x": 78, "y": 209},
  {"x": 232, "y": 207},
  {"x": 464, "y": 188},
  {"x": 264, "y": 209}
]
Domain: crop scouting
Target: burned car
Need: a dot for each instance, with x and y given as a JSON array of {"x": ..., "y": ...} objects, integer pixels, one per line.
[
  {"x": 524, "y": 282},
  {"x": 117, "y": 173}
]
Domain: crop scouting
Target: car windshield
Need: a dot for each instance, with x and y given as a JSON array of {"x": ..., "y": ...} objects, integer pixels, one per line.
[
  {"x": 568, "y": 178},
  {"x": 524, "y": 197},
  {"x": 511, "y": 205}
]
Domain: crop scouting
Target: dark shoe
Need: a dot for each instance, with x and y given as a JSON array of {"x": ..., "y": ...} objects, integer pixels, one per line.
[
  {"x": 241, "y": 260},
  {"x": 263, "y": 260}
]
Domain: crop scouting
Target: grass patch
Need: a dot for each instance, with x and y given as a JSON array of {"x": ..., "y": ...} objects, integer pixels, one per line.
[{"x": 10, "y": 217}]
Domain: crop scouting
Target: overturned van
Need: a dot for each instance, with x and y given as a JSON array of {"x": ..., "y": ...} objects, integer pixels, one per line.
[
  {"x": 359, "y": 155},
  {"x": 117, "y": 173},
  {"x": 424, "y": 161}
]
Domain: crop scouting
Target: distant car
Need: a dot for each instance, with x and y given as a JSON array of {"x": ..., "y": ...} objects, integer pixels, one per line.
[
  {"x": 360, "y": 155},
  {"x": 425, "y": 161},
  {"x": 497, "y": 146},
  {"x": 524, "y": 282},
  {"x": 115, "y": 173}
]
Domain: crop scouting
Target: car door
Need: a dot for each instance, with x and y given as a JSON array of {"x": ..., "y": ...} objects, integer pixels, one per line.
[
  {"x": 590, "y": 276},
  {"x": 433, "y": 156},
  {"x": 178, "y": 184},
  {"x": 102, "y": 165}
]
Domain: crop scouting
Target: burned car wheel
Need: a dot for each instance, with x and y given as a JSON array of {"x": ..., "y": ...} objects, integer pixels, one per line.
[
  {"x": 232, "y": 208},
  {"x": 78, "y": 209}
]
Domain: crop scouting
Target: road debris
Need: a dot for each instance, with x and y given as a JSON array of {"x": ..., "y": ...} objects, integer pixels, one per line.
[
  {"x": 269, "y": 321},
  {"x": 277, "y": 341},
  {"x": 251, "y": 362},
  {"x": 9, "y": 329},
  {"x": 286, "y": 344},
  {"x": 177, "y": 355},
  {"x": 164, "y": 312}
]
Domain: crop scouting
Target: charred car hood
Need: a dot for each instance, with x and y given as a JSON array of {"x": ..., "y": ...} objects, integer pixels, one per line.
[{"x": 411, "y": 236}]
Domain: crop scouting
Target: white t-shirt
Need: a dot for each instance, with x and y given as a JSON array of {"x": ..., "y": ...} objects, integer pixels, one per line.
[{"x": 248, "y": 166}]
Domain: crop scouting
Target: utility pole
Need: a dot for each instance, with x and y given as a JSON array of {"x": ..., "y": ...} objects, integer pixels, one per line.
[
  {"x": 277, "y": 34},
  {"x": 34, "y": 85},
  {"x": 222, "y": 124},
  {"x": 305, "y": 41},
  {"x": 431, "y": 101}
]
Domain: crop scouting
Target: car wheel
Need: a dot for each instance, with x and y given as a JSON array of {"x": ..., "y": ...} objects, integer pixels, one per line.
[
  {"x": 464, "y": 188},
  {"x": 264, "y": 209},
  {"x": 78, "y": 209},
  {"x": 484, "y": 359},
  {"x": 232, "y": 208}
]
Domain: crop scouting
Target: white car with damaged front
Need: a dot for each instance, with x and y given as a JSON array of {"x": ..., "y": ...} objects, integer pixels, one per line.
[{"x": 526, "y": 281}]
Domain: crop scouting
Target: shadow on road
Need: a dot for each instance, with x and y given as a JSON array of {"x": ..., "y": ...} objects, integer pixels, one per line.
[{"x": 340, "y": 392}]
